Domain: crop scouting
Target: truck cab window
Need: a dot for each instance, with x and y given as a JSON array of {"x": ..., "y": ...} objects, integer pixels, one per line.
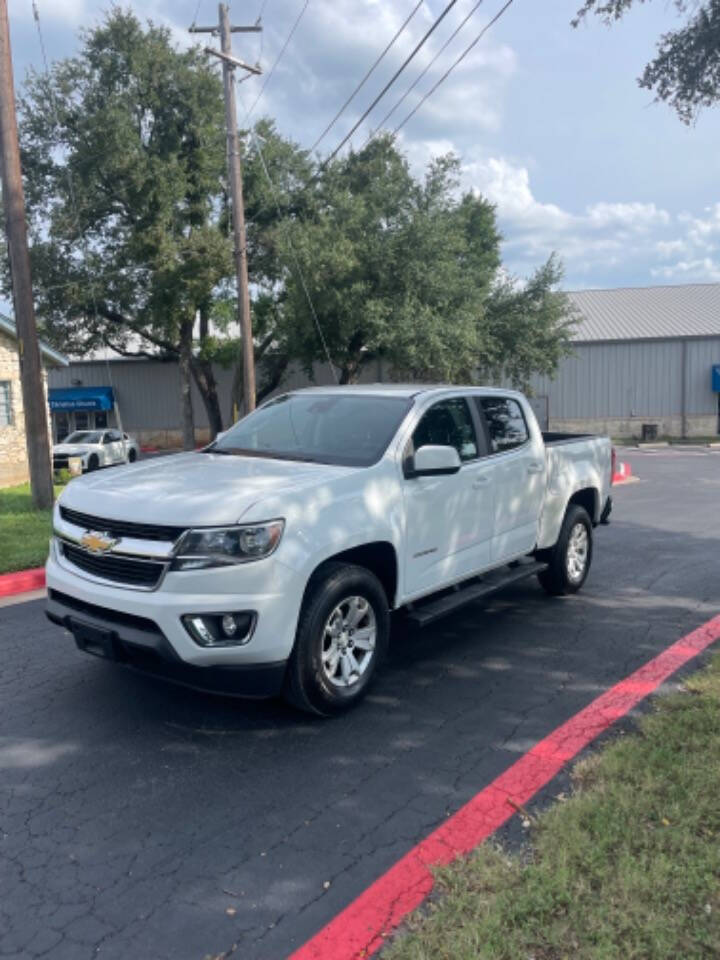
[
  {"x": 448, "y": 424},
  {"x": 505, "y": 421}
]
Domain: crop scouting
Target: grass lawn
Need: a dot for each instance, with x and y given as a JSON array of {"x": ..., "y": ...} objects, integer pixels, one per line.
[
  {"x": 24, "y": 531},
  {"x": 627, "y": 868}
]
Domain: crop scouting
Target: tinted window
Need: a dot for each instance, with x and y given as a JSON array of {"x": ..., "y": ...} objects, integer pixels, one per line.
[
  {"x": 345, "y": 429},
  {"x": 506, "y": 423},
  {"x": 83, "y": 436},
  {"x": 114, "y": 435},
  {"x": 448, "y": 424}
]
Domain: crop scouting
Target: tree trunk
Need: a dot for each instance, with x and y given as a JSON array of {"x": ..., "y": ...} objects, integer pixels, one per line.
[
  {"x": 355, "y": 359},
  {"x": 184, "y": 367},
  {"x": 271, "y": 368},
  {"x": 207, "y": 385},
  {"x": 205, "y": 378},
  {"x": 273, "y": 372}
]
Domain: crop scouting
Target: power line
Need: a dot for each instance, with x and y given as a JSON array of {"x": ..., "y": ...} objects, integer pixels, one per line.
[
  {"x": 425, "y": 70},
  {"x": 279, "y": 56},
  {"x": 197, "y": 11},
  {"x": 390, "y": 82},
  {"x": 301, "y": 275},
  {"x": 459, "y": 60},
  {"x": 359, "y": 87}
]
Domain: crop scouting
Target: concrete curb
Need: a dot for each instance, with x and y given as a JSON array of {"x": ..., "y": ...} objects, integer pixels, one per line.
[{"x": 23, "y": 581}]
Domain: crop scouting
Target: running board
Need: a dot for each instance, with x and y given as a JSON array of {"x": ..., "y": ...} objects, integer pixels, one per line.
[{"x": 424, "y": 613}]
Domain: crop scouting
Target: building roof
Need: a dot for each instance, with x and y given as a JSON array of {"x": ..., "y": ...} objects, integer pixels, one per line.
[
  {"x": 641, "y": 313},
  {"x": 7, "y": 326}
]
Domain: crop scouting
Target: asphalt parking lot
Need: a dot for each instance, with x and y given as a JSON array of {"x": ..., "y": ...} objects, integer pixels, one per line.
[{"x": 142, "y": 820}]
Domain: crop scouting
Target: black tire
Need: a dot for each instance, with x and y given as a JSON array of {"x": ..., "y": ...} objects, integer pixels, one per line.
[
  {"x": 558, "y": 580},
  {"x": 93, "y": 463},
  {"x": 132, "y": 456},
  {"x": 307, "y": 683}
]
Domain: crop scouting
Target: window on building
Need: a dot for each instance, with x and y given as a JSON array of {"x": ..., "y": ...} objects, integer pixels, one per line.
[
  {"x": 6, "y": 411},
  {"x": 506, "y": 423}
]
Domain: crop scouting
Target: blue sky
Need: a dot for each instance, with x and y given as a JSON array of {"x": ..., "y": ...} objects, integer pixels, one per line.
[{"x": 548, "y": 121}]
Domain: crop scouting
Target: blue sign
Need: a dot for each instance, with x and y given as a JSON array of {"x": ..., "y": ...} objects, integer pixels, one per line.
[
  {"x": 716, "y": 377},
  {"x": 81, "y": 398}
]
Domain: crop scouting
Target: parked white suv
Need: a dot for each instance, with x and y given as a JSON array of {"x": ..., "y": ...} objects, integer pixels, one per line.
[
  {"x": 95, "y": 448},
  {"x": 270, "y": 561}
]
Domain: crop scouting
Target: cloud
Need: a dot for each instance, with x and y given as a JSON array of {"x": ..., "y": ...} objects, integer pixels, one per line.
[{"x": 632, "y": 240}]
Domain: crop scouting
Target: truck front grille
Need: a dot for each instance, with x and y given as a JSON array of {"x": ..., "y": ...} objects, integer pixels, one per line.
[
  {"x": 122, "y": 528},
  {"x": 128, "y": 571}
]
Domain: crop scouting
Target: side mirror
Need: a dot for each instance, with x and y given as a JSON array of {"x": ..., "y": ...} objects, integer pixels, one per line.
[{"x": 433, "y": 460}]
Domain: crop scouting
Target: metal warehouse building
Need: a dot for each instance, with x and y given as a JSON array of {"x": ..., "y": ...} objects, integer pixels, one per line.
[
  {"x": 643, "y": 361},
  {"x": 643, "y": 355}
]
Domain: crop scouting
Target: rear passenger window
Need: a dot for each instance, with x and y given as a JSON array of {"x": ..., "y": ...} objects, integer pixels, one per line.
[
  {"x": 505, "y": 421},
  {"x": 449, "y": 424}
]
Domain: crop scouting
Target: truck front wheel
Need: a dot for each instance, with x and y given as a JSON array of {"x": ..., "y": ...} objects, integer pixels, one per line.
[
  {"x": 342, "y": 636},
  {"x": 569, "y": 560}
]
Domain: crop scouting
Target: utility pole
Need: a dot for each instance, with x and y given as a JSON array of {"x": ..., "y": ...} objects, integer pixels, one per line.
[
  {"x": 229, "y": 63},
  {"x": 31, "y": 374}
]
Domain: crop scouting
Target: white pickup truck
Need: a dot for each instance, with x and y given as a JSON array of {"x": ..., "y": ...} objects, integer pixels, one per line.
[{"x": 271, "y": 560}]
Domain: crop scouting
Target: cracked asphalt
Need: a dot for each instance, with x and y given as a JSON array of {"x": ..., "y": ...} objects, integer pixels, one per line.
[{"x": 142, "y": 820}]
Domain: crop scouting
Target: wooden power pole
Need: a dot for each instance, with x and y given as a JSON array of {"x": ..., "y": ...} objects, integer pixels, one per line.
[
  {"x": 31, "y": 373},
  {"x": 229, "y": 63}
]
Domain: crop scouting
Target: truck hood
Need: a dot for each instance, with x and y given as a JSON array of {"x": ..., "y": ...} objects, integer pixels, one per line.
[{"x": 202, "y": 489}]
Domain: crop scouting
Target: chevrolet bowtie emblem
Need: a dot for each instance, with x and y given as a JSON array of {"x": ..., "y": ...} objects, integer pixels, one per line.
[{"x": 95, "y": 542}]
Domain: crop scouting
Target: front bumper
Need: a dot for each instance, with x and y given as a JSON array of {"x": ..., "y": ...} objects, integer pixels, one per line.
[
  {"x": 139, "y": 643},
  {"x": 269, "y": 588}
]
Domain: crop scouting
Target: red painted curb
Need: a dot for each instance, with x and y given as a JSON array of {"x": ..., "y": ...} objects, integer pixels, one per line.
[
  {"x": 22, "y": 581},
  {"x": 361, "y": 928}
]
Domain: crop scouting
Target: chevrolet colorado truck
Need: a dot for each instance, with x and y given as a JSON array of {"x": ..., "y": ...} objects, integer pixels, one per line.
[{"x": 270, "y": 561}]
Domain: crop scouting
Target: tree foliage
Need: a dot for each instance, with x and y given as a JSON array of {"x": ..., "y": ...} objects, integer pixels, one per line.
[
  {"x": 409, "y": 271},
  {"x": 125, "y": 192},
  {"x": 686, "y": 71},
  {"x": 361, "y": 259}
]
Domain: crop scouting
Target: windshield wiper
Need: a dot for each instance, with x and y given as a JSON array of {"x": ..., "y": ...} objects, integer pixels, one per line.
[{"x": 262, "y": 454}]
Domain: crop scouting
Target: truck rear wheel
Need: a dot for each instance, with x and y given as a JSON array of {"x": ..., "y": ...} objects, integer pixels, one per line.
[
  {"x": 569, "y": 560},
  {"x": 342, "y": 636}
]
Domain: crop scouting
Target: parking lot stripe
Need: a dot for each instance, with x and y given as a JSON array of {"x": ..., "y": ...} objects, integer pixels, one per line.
[{"x": 361, "y": 928}]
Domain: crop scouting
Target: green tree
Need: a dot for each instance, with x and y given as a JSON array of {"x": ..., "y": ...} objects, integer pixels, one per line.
[
  {"x": 126, "y": 196},
  {"x": 686, "y": 70},
  {"x": 409, "y": 271}
]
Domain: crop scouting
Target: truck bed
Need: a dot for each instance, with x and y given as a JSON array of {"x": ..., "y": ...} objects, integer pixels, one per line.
[{"x": 553, "y": 439}]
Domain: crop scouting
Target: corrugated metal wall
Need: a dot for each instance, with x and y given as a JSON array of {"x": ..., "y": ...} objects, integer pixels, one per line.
[
  {"x": 629, "y": 379},
  {"x": 146, "y": 391},
  {"x": 632, "y": 379}
]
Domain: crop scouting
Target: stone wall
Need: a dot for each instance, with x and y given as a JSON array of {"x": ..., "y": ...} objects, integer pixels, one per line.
[
  {"x": 13, "y": 453},
  {"x": 14, "y": 468},
  {"x": 168, "y": 439},
  {"x": 627, "y": 428}
]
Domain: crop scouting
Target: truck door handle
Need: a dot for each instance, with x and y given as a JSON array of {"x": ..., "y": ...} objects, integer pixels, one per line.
[
  {"x": 535, "y": 468},
  {"x": 479, "y": 482}
]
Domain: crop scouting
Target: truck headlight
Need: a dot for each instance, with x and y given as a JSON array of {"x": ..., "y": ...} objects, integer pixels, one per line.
[{"x": 225, "y": 546}]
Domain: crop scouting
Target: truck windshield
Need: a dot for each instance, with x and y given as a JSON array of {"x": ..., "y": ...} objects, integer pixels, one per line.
[{"x": 346, "y": 429}]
